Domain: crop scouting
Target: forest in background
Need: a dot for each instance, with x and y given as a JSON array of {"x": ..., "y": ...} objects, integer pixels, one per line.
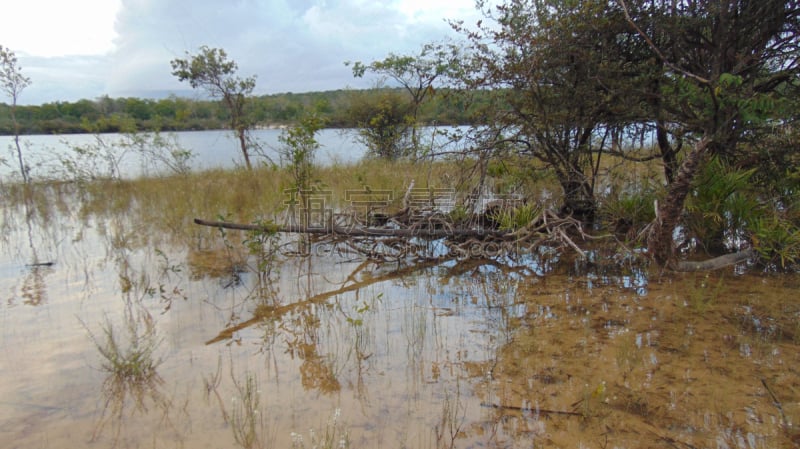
[
  {"x": 705, "y": 92},
  {"x": 175, "y": 113}
]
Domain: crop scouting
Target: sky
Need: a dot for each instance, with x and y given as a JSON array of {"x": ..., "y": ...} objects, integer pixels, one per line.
[{"x": 84, "y": 49}]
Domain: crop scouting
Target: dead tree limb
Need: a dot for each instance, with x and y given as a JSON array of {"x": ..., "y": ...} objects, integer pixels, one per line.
[
  {"x": 526, "y": 409},
  {"x": 715, "y": 263},
  {"x": 359, "y": 231}
]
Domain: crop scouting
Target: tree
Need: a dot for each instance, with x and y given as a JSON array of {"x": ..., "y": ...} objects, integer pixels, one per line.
[
  {"x": 211, "y": 70},
  {"x": 299, "y": 145},
  {"x": 381, "y": 116},
  {"x": 416, "y": 75},
  {"x": 727, "y": 65},
  {"x": 560, "y": 81},
  {"x": 12, "y": 82}
]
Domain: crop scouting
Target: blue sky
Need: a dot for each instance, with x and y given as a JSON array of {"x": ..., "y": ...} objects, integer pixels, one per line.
[{"x": 89, "y": 48}]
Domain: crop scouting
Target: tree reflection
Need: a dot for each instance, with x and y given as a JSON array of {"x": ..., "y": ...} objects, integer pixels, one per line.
[
  {"x": 34, "y": 287},
  {"x": 299, "y": 322}
]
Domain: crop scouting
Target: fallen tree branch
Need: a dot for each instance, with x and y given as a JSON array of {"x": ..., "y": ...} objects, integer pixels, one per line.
[
  {"x": 526, "y": 409},
  {"x": 358, "y": 231},
  {"x": 715, "y": 263}
]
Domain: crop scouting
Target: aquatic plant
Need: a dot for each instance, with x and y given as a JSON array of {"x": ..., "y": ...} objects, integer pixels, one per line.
[
  {"x": 246, "y": 418},
  {"x": 130, "y": 358},
  {"x": 334, "y": 435}
]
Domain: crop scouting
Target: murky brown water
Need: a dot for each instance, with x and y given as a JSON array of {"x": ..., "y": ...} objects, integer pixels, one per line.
[{"x": 338, "y": 353}]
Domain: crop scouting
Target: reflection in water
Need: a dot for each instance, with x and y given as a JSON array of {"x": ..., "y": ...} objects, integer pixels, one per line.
[
  {"x": 319, "y": 350},
  {"x": 132, "y": 383},
  {"x": 34, "y": 287},
  {"x": 39, "y": 231}
]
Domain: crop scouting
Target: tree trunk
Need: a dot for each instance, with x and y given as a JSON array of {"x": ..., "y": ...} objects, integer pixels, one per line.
[
  {"x": 668, "y": 153},
  {"x": 579, "y": 201},
  {"x": 22, "y": 169},
  {"x": 240, "y": 133},
  {"x": 660, "y": 241}
]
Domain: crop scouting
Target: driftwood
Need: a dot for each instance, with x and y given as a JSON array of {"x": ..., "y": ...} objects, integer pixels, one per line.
[
  {"x": 715, "y": 263},
  {"x": 361, "y": 231}
]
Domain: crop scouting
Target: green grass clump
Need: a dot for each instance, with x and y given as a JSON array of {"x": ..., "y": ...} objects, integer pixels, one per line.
[
  {"x": 512, "y": 219},
  {"x": 130, "y": 358}
]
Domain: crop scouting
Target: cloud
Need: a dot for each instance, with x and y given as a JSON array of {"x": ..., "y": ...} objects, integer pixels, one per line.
[
  {"x": 290, "y": 45},
  {"x": 53, "y": 28},
  {"x": 63, "y": 78}
]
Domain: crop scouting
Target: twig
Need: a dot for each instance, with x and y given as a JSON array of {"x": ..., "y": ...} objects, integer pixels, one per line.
[
  {"x": 775, "y": 402},
  {"x": 569, "y": 242},
  {"x": 408, "y": 195},
  {"x": 672, "y": 441},
  {"x": 525, "y": 409}
]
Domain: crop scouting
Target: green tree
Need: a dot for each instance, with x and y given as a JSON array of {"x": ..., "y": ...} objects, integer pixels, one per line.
[
  {"x": 416, "y": 74},
  {"x": 381, "y": 116},
  {"x": 559, "y": 81},
  {"x": 727, "y": 66},
  {"x": 12, "y": 83},
  {"x": 138, "y": 109},
  {"x": 299, "y": 145},
  {"x": 211, "y": 70}
]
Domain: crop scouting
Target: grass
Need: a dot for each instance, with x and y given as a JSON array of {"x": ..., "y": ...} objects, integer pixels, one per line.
[
  {"x": 247, "y": 420},
  {"x": 130, "y": 357},
  {"x": 162, "y": 207},
  {"x": 702, "y": 294},
  {"x": 333, "y": 436},
  {"x": 512, "y": 219},
  {"x": 130, "y": 362},
  {"x": 241, "y": 195}
]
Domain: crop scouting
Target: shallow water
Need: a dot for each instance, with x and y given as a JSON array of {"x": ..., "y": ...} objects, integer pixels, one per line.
[{"x": 332, "y": 352}]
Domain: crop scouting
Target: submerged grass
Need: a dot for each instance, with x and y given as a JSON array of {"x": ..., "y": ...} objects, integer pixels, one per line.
[
  {"x": 334, "y": 435},
  {"x": 129, "y": 359}
]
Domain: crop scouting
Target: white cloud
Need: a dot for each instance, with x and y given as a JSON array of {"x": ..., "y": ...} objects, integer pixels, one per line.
[
  {"x": 57, "y": 28},
  {"x": 291, "y": 45},
  {"x": 63, "y": 78}
]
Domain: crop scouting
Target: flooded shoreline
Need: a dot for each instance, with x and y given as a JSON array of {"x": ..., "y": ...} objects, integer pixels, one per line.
[{"x": 117, "y": 332}]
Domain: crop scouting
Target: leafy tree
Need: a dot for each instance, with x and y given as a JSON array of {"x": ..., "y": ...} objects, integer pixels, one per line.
[
  {"x": 211, "y": 70},
  {"x": 560, "y": 80},
  {"x": 299, "y": 145},
  {"x": 416, "y": 75},
  {"x": 727, "y": 66},
  {"x": 381, "y": 116},
  {"x": 138, "y": 109},
  {"x": 12, "y": 83}
]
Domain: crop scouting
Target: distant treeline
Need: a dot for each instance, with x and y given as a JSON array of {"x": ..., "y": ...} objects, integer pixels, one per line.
[{"x": 107, "y": 114}]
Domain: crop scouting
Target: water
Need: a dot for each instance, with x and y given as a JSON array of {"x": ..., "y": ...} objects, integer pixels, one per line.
[
  {"x": 330, "y": 351},
  {"x": 211, "y": 149}
]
